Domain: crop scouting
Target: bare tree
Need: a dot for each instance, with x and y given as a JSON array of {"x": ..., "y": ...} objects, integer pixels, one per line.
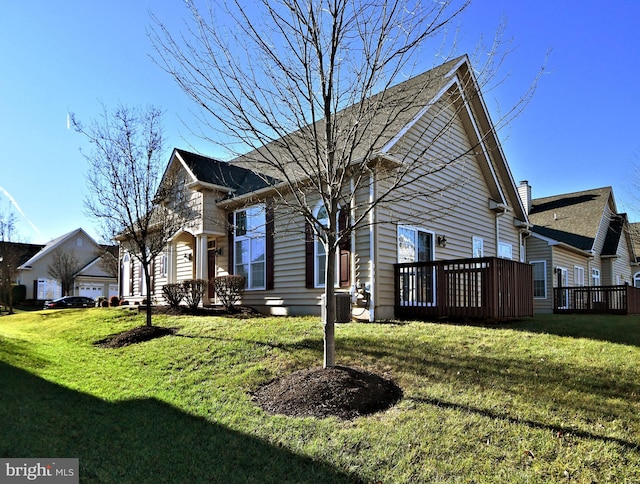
[
  {"x": 126, "y": 168},
  {"x": 9, "y": 257},
  {"x": 301, "y": 87},
  {"x": 63, "y": 268}
]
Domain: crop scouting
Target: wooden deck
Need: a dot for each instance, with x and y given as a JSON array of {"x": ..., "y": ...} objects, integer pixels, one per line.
[
  {"x": 482, "y": 288},
  {"x": 623, "y": 299}
]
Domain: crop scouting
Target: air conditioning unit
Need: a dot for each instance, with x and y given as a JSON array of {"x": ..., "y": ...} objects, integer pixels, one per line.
[{"x": 343, "y": 307}]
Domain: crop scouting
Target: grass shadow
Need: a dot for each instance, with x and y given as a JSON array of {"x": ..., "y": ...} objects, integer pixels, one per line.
[
  {"x": 610, "y": 328},
  {"x": 138, "y": 440}
]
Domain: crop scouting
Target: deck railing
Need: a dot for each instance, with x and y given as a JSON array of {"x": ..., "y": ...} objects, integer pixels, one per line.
[
  {"x": 622, "y": 299},
  {"x": 485, "y": 288}
]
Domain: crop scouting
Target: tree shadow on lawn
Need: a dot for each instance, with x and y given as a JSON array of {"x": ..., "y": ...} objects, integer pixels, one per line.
[
  {"x": 611, "y": 328},
  {"x": 138, "y": 440}
]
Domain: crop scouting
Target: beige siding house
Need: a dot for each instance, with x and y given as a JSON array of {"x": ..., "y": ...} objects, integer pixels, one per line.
[
  {"x": 578, "y": 239},
  {"x": 90, "y": 278},
  {"x": 473, "y": 211}
]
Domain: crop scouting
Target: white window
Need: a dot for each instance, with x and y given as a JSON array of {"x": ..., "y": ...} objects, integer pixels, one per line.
[
  {"x": 79, "y": 241},
  {"x": 478, "y": 247},
  {"x": 417, "y": 284},
  {"x": 636, "y": 279},
  {"x": 578, "y": 276},
  {"x": 48, "y": 289},
  {"x": 595, "y": 277},
  {"x": 414, "y": 245},
  {"x": 126, "y": 275},
  {"x": 319, "y": 252},
  {"x": 163, "y": 265},
  {"x": 505, "y": 251},
  {"x": 539, "y": 279},
  {"x": 250, "y": 246}
]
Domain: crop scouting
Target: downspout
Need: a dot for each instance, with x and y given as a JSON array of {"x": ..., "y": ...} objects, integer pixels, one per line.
[{"x": 373, "y": 235}]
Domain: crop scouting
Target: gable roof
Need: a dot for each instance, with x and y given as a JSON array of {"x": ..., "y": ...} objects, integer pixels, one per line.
[
  {"x": 574, "y": 218},
  {"x": 394, "y": 111},
  {"x": 221, "y": 174},
  {"x": 52, "y": 245}
]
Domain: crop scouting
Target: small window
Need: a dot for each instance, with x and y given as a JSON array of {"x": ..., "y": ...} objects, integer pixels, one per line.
[
  {"x": 505, "y": 251},
  {"x": 79, "y": 241},
  {"x": 478, "y": 247},
  {"x": 595, "y": 277},
  {"x": 578, "y": 276},
  {"x": 539, "y": 279}
]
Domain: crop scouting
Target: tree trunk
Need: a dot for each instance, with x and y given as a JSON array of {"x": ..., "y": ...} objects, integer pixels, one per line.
[
  {"x": 147, "y": 278},
  {"x": 330, "y": 309}
]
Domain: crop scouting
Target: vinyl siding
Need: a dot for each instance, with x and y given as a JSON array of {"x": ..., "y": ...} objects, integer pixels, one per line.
[{"x": 459, "y": 212}]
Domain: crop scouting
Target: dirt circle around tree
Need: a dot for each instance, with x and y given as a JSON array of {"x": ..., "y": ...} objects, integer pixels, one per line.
[{"x": 340, "y": 391}]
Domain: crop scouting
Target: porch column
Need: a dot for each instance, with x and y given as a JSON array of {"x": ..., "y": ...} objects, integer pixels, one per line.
[
  {"x": 171, "y": 263},
  {"x": 201, "y": 257}
]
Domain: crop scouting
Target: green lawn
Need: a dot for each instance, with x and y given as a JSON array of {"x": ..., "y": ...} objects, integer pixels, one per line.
[{"x": 549, "y": 399}]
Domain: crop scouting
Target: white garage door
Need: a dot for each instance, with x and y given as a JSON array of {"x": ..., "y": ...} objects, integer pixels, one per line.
[{"x": 94, "y": 291}]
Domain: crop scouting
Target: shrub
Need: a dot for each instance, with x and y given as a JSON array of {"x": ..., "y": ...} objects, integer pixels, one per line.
[
  {"x": 193, "y": 290},
  {"x": 173, "y": 293},
  {"x": 19, "y": 293},
  {"x": 124, "y": 302},
  {"x": 229, "y": 289},
  {"x": 114, "y": 301},
  {"x": 104, "y": 303}
]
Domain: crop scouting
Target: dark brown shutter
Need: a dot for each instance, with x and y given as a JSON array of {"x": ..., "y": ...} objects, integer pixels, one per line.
[
  {"x": 345, "y": 249},
  {"x": 230, "y": 234},
  {"x": 269, "y": 247},
  {"x": 308, "y": 255}
]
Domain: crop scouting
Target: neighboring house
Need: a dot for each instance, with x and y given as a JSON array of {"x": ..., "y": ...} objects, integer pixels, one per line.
[
  {"x": 634, "y": 230},
  {"x": 578, "y": 239},
  {"x": 90, "y": 276},
  {"x": 239, "y": 231}
]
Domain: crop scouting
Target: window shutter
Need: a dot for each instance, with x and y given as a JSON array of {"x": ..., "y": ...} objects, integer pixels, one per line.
[
  {"x": 152, "y": 290},
  {"x": 230, "y": 234},
  {"x": 269, "y": 247},
  {"x": 308, "y": 255},
  {"x": 345, "y": 249},
  {"x": 131, "y": 276}
]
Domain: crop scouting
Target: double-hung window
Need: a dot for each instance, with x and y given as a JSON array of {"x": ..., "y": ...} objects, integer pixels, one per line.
[
  {"x": 250, "y": 246},
  {"x": 539, "y": 279}
]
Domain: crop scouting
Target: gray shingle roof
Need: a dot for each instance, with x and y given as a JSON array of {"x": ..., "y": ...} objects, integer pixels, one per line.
[
  {"x": 379, "y": 118},
  {"x": 223, "y": 174},
  {"x": 572, "y": 218}
]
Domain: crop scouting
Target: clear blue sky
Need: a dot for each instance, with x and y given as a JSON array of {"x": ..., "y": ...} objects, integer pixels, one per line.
[{"x": 580, "y": 131}]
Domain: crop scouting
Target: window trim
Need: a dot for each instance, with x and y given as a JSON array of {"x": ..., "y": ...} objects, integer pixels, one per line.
[
  {"x": 477, "y": 243},
  {"x": 318, "y": 278},
  {"x": 249, "y": 236},
  {"x": 544, "y": 271}
]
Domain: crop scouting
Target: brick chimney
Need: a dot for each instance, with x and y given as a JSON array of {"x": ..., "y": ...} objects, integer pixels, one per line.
[{"x": 524, "y": 191}]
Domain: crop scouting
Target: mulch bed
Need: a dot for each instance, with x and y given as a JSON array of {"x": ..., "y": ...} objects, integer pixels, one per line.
[
  {"x": 340, "y": 391},
  {"x": 135, "y": 335}
]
